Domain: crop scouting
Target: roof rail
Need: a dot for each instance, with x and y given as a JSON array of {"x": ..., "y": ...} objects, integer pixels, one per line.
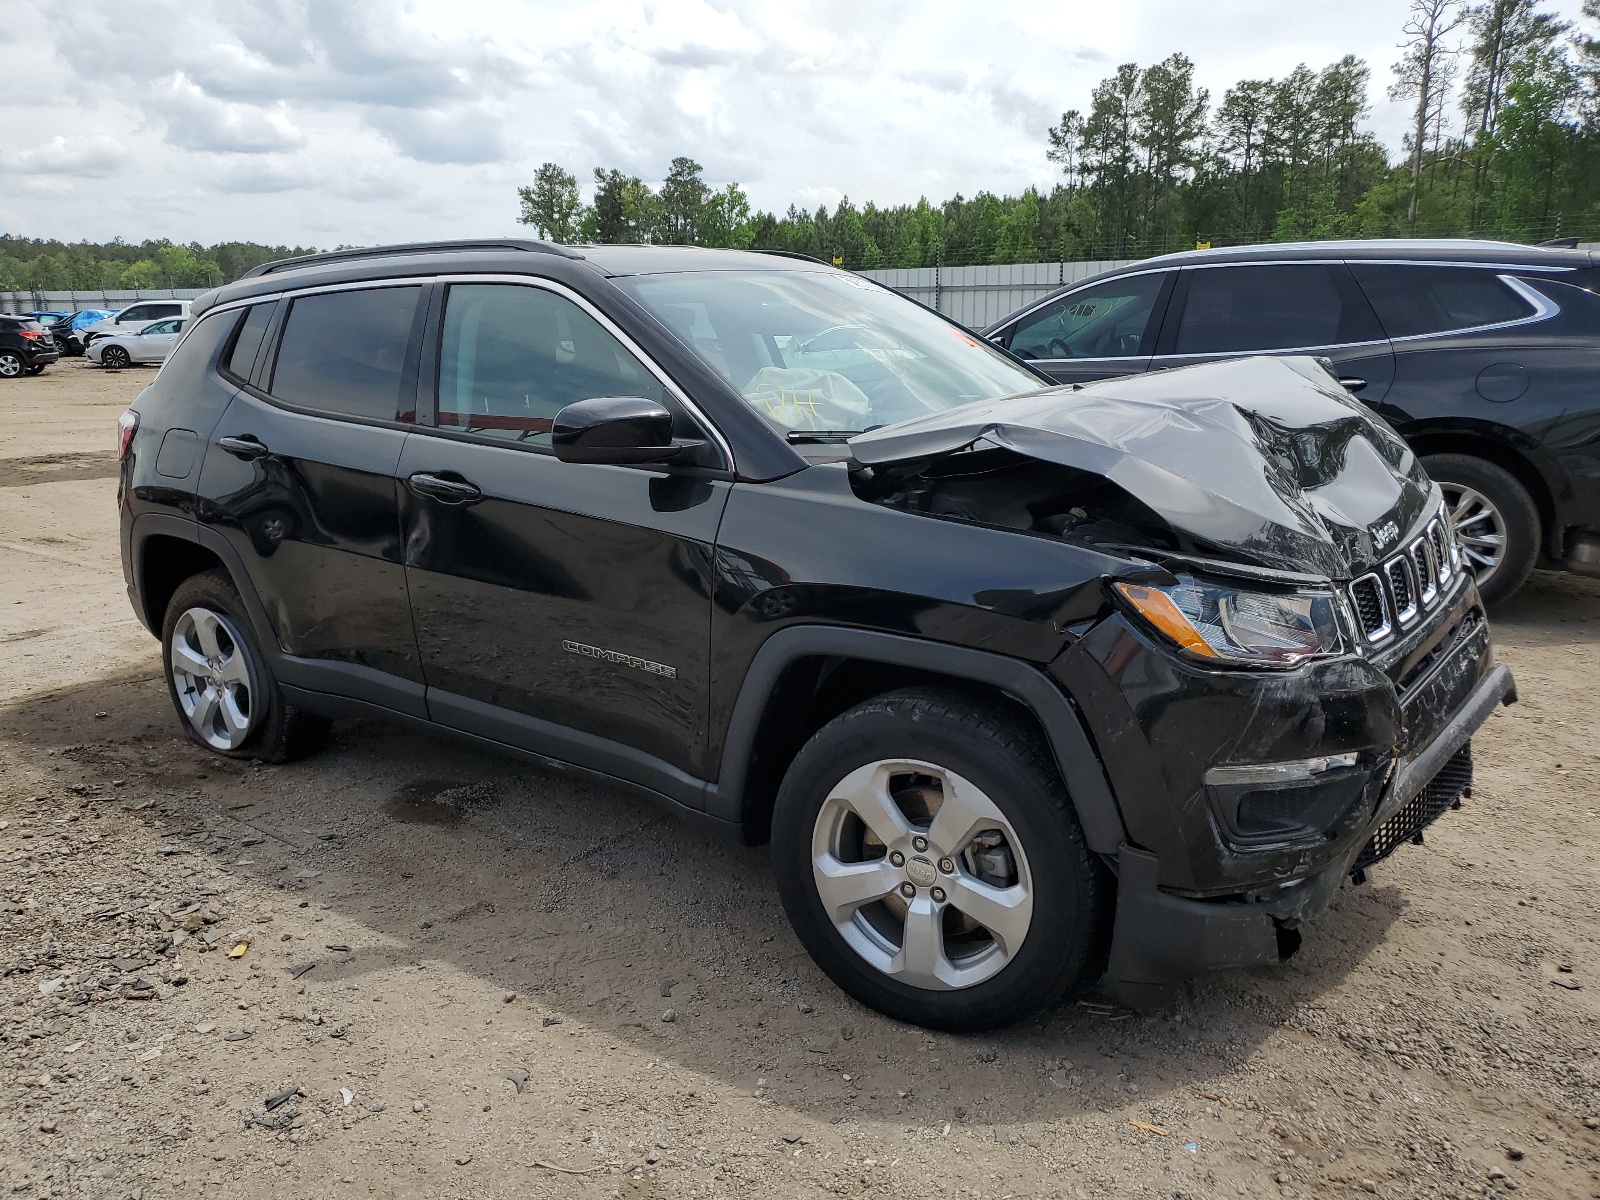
[
  {"x": 793, "y": 254},
  {"x": 335, "y": 256}
]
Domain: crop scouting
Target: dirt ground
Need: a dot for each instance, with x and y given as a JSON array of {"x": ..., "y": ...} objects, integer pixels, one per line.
[{"x": 458, "y": 970}]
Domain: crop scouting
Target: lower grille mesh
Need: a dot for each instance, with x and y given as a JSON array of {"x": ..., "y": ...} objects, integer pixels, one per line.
[{"x": 1443, "y": 791}]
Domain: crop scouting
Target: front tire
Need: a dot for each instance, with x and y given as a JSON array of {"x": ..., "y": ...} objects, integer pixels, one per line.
[
  {"x": 1496, "y": 521},
  {"x": 929, "y": 859},
  {"x": 220, "y": 682},
  {"x": 115, "y": 358}
]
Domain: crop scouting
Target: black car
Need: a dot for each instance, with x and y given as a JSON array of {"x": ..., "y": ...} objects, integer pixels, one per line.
[
  {"x": 1028, "y": 687},
  {"x": 26, "y": 347},
  {"x": 1482, "y": 355}
]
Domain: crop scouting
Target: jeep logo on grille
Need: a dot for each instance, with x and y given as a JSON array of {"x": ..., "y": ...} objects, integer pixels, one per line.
[{"x": 1384, "y": 534}]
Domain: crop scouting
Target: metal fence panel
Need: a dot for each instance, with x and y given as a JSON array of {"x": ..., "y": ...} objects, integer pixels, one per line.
[
  {"x": 980, "y": 296},
  {"x": 112, "y": 298}
]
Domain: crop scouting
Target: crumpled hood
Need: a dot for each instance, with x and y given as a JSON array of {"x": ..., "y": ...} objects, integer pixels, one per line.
[{"x": 1266, "y": 458}]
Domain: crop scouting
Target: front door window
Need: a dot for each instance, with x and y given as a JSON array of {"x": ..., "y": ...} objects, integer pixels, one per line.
[
  {"x": 512, "y": 357},
  {"x": 1105, "y": 320}
]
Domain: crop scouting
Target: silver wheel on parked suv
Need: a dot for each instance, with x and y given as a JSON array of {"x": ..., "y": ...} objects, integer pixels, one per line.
[
  {"x": 1480, "y": 528},
  {"x": 11, "y": 365},
  {"x": 922, "y": 874},
  {"x": 212, "y": 678}
]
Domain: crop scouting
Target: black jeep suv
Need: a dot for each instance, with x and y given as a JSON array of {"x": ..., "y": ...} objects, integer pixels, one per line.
[
  {"x": 1482, "y": 355},
  {"x": 1027, "y": 686}
]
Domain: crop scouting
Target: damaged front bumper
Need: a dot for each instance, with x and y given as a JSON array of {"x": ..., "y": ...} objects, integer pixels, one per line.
[{"x": 1376, "y": 759}]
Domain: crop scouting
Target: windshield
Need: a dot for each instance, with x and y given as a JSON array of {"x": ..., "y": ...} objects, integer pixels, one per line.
[{"x": 827, "y": 350}]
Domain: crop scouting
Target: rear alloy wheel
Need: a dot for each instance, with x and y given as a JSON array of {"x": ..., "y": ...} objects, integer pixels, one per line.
[
  {"x": 1496, "y": 521},
  {"x": 931, "y": 862},
  {"x": 115, "y": 358},
  {"x": 11, "y": 364},
  {"x": 220, "y": 682}
]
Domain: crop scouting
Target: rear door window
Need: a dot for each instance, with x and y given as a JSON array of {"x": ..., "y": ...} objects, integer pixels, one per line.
[
  {"x": 343, "y": 353},
  {"x": 1412, "y": 300},
  {"x": 512, "y": 357},
  {"x": 1107, "y": 320},
  {"x": 1272, "y": 306}
]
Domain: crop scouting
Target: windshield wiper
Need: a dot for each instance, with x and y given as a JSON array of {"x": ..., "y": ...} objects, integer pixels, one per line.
[{"x": 798, "y": 437}]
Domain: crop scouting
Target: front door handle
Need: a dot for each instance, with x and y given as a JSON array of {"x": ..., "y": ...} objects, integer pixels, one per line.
[
  {"x": 246, "y": 446},
  {"x": 444, "y": 489},
  {"x": 1351, "y": 384}
]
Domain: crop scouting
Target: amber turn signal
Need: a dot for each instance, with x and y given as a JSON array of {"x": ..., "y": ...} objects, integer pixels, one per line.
[{"x": 1157, "y": 607}]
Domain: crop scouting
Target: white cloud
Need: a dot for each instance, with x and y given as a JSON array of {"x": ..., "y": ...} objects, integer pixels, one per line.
[
  {"x": 363, "y": 120},
  {"x": 197, "y": 121},
  {"x": 93, "y": 157}
]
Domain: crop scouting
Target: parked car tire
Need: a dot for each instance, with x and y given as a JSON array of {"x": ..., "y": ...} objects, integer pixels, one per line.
[
  {"x": 930, "y": 860},
  {"x": 11, "y": 365},
  {"x": 37, "y": 369},
  {"x": 1496, "y": 521},
  {"x": 115, "y": 358},
  {"x": 221, "y": 683}
]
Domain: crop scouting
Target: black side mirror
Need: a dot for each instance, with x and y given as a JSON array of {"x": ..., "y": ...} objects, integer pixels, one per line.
[{"x": 616, "y": 429}]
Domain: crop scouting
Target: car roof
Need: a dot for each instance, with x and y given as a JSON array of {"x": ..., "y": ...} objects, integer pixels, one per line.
[{"x": 1386, "y": 250}]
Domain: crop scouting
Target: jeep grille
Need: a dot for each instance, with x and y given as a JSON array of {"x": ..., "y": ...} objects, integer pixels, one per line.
[{"x": 1395, "y": 595}]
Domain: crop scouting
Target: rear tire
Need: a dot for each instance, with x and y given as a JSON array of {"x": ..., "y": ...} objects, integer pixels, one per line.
[
  {"x": 1496, "y": 521},
  {"x": 990, "y": 914},
  {"x": 220, "y": 682},
  {"x": 11, "y": 365}
]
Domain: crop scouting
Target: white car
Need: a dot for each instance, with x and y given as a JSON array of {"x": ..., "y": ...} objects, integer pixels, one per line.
[
  {"x": 134, "y": 317},
  {"x": 151, "y": 344}
]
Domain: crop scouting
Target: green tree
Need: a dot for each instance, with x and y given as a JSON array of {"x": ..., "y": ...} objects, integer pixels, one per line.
[
  {"x": 1424, "y": 75},
  {"x": 1241, "y": 129},
  {"x": 725, "y": 219},
  {"x": 551, "y": 205},
  {"x": 1170, "y": 119},
  {"x": 683, "y": 201}
]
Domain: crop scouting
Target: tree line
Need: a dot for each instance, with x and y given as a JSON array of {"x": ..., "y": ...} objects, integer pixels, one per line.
[
  {"x": 1504, "y": 142},
  {"x": 42, "y": 265}
]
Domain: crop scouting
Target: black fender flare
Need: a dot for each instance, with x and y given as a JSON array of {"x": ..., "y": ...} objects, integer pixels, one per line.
[
  {"x": 148, "y": 525},
  {"x": 1057, "y": 715}
]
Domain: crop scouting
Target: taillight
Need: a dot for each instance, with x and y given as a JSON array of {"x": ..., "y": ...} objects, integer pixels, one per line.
[
  {"x": 33, "y": 335},
  {"x": 127, "y": 426}
]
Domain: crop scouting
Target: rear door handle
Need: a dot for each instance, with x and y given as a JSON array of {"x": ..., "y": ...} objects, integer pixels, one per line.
[
  {"x": 246, "y": 446},
  {"x": 444, "y": 489},
  {"x": 1351, "y": 384}
]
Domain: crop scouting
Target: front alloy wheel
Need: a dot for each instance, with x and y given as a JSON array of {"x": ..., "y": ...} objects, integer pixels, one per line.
[
  {"x": 921, "y": 874},
  {"x": 932, "y": 863},
  {"x": 211, "y": 678}
]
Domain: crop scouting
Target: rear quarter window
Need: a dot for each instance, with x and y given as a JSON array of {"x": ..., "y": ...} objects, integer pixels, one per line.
[{"x": 1416, "y": 300}]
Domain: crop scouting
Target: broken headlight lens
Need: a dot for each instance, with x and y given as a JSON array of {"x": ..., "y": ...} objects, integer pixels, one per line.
[{"x": 1270, "y": 629}]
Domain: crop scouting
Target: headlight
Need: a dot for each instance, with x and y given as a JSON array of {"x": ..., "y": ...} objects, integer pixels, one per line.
[{"x": 1269, "y": 629}]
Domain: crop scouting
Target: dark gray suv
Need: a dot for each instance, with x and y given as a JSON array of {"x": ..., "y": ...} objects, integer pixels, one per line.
[{"x": 1482, "y": 355}]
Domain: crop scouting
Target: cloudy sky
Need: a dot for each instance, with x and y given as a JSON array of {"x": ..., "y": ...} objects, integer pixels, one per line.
[{"x": 321, "y": 122}]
